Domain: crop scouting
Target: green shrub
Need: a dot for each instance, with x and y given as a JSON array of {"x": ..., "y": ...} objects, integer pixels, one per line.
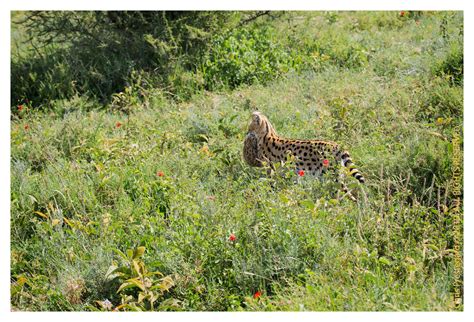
[
  {"x": 440, "y": 99},
  {"x": 140, "y": 289},
  {"x": 95, "y": 52},
  {"x": 452, "y": 66},
  {"x": 244, "y": 56}
]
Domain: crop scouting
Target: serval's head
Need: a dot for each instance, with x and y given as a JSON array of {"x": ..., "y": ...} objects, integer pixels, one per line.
[{"x": 260, "y": 125}]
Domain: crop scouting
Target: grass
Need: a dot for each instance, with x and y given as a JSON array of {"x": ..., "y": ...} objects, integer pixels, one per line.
[{"x": 89, "y": 182}]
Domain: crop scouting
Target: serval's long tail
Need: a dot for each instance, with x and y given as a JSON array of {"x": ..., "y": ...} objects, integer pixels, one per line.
[{"x": 345, "y": 159}]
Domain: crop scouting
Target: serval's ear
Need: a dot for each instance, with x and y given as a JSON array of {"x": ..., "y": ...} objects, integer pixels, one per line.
[{"x": 256, "y": 117}]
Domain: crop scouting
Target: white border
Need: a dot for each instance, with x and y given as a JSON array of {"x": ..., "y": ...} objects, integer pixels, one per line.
[
  {"x": 5, "y": 160},
  {"x": 242, "y": 5},
  {"x": 6, "y": 315}
]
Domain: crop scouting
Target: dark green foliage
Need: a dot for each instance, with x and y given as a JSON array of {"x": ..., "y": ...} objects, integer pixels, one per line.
[
  {"x": 95, "y": 52},
  {"x": 452, "y": 66}
]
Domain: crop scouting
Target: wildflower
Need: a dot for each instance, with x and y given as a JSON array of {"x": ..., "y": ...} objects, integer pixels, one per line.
[
  {"x": 27, "y": 127},
  {"x": 326, "y": 162},
  {"x": 301, "y": 173},
  {"x": 205, "y": 149},
  {"x": 20, "y": 108},
  {"x": 257, "y": 295},
  {"x": 417, "y": 22},
  {"x": 107, "y": 304},
  {"x": 160, "y": 174},
  {"x": 232, "y": 237},
  {"x": 402, "y": 13},
  {"x": 118, "y": 124}
]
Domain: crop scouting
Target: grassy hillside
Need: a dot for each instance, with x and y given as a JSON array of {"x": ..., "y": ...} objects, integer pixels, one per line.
[{"x": 164, "y": 178}]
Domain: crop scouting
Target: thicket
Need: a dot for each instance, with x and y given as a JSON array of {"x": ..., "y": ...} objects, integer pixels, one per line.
[
  {"x": 121, "y": 57},
  {"x": 101, "y": 53}
]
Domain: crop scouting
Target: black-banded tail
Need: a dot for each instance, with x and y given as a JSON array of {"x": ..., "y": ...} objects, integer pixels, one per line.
[{"x": 346, "y": 161}]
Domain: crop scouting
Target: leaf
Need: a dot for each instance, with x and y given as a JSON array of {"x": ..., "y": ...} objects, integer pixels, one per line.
[
  {"x": 308, "y": 204},
  {"x": 166, "y": 283},
  {"x": 141, "y": 297},
  {"x": 33, "y": 199},
  {"x": 136, "y": 266},
  {"x": 138, "y": 252},
  {"x": 384, "y": 260},
  {"x": 137, "y": 282},
  {"x": 170, "y": 303},
  {"x": 154, "y": 273},
  {"x": 131, "y": 283},
  {"x": 16, "y": 287},
  {"x": 120, "y": 306},
  {"x": 150, "y": 40},
  {"x": 284, "y": 198},
  {"x": 125, "y": 286},
  {"x": 203, "y": 137},
  {"x": 152, "y": 297},
  {"x": 67, "y": 221},
  {"x": 129, "y": 251},
  {"x": 122, "y": 271},
  {"x": 112, "y": 272},
  {"x": 433, "y": 247},
  {"x": 121, "y": 254},
  {"x": 39, "y": 213},
  {"x": 369, "y": 277},
  {"x": 133, "y": 307}
]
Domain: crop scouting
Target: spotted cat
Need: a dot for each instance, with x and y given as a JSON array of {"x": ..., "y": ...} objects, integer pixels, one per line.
[{"x": 262, "y": 144}]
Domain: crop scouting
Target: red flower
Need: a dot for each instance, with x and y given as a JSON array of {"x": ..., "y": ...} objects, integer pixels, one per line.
[
  {"x": 232, "y": 237},
  {"x": 20, "y": 108},
  {"x": 326, "y": 162},
  {"x": 402, "y": 13},
  {"x": 118, "y": 124},
  {"x": 27, "y": 126},
  {"x": 257, "y": 295},
  {"x": 160, "y": 174},
  {"x": 301, "y": 173}
]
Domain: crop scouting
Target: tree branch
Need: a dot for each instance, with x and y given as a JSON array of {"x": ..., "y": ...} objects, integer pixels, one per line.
[{"x": 255, "y": 16}]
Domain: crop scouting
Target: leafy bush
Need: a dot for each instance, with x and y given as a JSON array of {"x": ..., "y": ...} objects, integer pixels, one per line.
[
  {"x": 440, "y": 99},
  {"x": 244, "y": 56},
  {"x": 452, "y": 66},
  {"x": 95, "y": 52},
  {"x": 140, "y": 288}
]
